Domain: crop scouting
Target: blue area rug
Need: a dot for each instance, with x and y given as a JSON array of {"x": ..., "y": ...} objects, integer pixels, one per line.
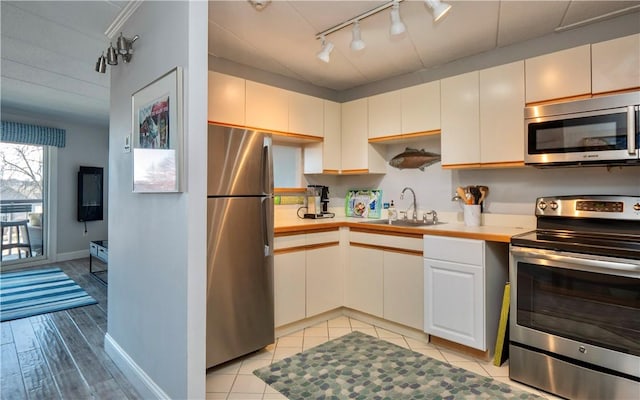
[
  {"x": 361, "y": 367},
  {"x": 27, "y": 293}
]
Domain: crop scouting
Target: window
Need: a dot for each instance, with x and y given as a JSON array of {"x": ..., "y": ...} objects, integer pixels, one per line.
[
  {"x": 22, "y": 200},
  {"x": 287, "y": 166}
]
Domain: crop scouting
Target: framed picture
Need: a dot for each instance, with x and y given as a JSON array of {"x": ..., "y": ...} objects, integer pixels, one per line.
[{"x": 157, "y": 135}]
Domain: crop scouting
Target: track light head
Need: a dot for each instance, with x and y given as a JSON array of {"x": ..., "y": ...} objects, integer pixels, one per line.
[
  {"x": 327, "y": 48},
  {"x": 438, "y": 8},
  {"x": 397, "y": 26},
  {"x": 101, "y": 64},
  {"x": 112, "y": 55},
  {"x": 357, "y": 43}
]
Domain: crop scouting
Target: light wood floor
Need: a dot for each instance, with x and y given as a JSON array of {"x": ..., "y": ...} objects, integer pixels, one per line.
[{"x": 61, "y": 355}]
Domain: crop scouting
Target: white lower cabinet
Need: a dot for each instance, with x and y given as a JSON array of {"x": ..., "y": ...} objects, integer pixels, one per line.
[
  {"x": 365, "y": 280},
  {"x": 385, "y": 277},
  {"x": 289, "y": 287},
  {"x": 403, "y": 289},
  {"x": 308, "y": 276},
  {"x": 324, "y": 280},
  {"x": 453, "y": 302},
  {"x": 463, "y": 284}
]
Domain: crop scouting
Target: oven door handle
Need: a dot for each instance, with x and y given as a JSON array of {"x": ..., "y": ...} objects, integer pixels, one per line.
[{"x": 591, "y": 262}]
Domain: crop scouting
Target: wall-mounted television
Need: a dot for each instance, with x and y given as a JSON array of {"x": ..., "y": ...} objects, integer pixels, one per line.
[{"x": 90, "y": 193}]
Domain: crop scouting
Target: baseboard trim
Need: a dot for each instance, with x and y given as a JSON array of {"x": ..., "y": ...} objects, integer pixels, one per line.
[
  {"x": 72, "y": 255},
  {"x": 145, "y": 386}
]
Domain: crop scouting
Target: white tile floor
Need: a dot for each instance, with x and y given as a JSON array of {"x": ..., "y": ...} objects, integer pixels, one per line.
[{"x": 235, "y": 380}]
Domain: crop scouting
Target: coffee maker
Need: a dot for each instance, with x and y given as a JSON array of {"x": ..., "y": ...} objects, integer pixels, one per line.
[{"x": 318, "y": 202}]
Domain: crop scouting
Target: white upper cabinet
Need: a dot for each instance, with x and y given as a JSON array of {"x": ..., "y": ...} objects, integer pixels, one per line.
[
  {"x": 354, "y": 134},
  {"x": 324, "y": 157},
  {"x": 357, "y": 155},
  {"x": 411, "y": 110},
  {"x": 332, "y": 128},
  {"x": 226, "y": 99},
  {"x": 460, "y": 139},
  {"x": 559, "y": 75},
  {"x": 502, "y": 113},
  {"x": 615, "y": 64},
  {"x": 385, "y": 114},
  {"x": 421, "y": 108},
  {"x": 306, "y": 114},
  {"x": 267, "y": 107}
]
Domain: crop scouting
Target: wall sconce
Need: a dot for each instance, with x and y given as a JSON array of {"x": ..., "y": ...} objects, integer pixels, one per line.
[{"x": 124, "y": 49}]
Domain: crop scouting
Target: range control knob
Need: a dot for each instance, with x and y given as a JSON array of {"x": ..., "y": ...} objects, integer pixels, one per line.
[
  {"x": 636, "y": 206},
  {"x": 554, "y": 205},
  {"x": 542, "y": 205}
]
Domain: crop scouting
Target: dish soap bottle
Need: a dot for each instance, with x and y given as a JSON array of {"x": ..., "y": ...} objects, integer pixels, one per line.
[{"x": 392, "y": 212}]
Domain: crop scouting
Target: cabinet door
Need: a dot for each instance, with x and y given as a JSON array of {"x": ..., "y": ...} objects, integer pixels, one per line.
[
  {"x": 306, "y": 114},
  {"x": 460, "y": 139},
  {"x": 502, "y": 113},
  {"x": 267, "y": 107},
  {"x": 226, "y": 99},
  {"x": 558, "y": 75},
  {"x": 354, "y": 148},
  {"x": 421, "y": 108},
  {"x": 615, "y": 64},
  {"x": 289, "y": 287},
  {"x": 325, "y": 279},
  {"x": 332, "y": 128},
  {"x": 363, "y": 291},
  {"x": 385, "y": 114},
  {"x": 454, "y": 305},
  {"x": 404, "y": 289}
]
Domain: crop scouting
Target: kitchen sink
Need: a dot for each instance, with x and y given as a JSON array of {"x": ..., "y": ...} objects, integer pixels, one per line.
[{"x": 403, "y": 222}]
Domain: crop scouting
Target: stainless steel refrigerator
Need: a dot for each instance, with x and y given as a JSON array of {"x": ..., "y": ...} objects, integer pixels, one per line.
[{"x": 239, "y": 243}]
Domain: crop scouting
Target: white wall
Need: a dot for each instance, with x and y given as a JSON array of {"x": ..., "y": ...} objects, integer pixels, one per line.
[
  {"x": 511, "y": 191},
  {"x": 157, "y": 242},
  {"x": 86, "y": 145}
]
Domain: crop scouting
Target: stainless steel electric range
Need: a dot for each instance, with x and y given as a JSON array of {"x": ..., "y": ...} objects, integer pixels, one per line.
[{"x": 575, "y": 298}]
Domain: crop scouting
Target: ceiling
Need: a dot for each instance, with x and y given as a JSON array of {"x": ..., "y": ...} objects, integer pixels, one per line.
[
  {"x": 49, "y": 48},
  {"x": 49, "y": 51}
]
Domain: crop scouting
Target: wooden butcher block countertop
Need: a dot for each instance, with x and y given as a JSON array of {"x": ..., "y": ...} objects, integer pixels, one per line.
[{"x": 492, "y": 233}]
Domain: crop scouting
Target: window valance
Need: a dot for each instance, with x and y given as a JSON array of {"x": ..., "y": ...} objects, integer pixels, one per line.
[{"x": 17, "y": 132}]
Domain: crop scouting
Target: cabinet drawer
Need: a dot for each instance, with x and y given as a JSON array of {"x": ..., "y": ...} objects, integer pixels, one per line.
[
  {"x": 93, "y": 249},
  {"x": 465, "y": 251},
  {"x": 323, "y": 237},
  {"x": 388, "y": 241},
  {"x": 284, "y": 242}
]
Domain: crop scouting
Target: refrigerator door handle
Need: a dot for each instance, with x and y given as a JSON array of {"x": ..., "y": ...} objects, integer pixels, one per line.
[
  {"x": 267, "y": 222},
  {"x": 267, "y": 165}
]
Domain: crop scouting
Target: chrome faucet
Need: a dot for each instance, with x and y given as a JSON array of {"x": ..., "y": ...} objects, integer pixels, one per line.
[{"x": 415, "y": 209}]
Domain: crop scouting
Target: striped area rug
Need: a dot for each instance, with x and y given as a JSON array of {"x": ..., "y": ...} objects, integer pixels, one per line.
[{"x": 27, "y": 293}]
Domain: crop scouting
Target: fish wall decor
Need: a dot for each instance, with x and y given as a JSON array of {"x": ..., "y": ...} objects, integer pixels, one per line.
[{"x": 414, "y": 158}]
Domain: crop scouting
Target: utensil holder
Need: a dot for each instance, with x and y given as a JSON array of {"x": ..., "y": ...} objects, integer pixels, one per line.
[{"x": 472, "y": 214}]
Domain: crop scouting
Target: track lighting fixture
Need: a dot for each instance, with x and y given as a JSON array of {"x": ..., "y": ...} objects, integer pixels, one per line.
[
  {"x": 124, "y": 49},
  {"x": 357, "y": 43},
  {"x": 327, "y": 48},
  {"x": 438, "y": 8},
  {"x": 397, "y": 26}
]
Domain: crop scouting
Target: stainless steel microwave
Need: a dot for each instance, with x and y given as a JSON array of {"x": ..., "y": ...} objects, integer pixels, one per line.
[{"x": 598, "y": 131}]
